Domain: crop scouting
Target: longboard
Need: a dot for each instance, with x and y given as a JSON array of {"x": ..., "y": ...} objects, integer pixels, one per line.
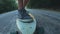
[{"x": 26, "y": 28}]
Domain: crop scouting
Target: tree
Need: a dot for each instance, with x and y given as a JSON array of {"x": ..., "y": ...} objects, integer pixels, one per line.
[
  {"x": 7, "y": 5},
  {"x": 54, "y": 4}
]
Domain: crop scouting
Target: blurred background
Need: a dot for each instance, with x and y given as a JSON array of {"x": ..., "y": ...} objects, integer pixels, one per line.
[
  {"x": 46, "y": 13},
  {"x": 9, "y": 5}
]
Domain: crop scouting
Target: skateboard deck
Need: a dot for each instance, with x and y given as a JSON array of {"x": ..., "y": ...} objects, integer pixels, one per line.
[{"x": 26, "y": 28}]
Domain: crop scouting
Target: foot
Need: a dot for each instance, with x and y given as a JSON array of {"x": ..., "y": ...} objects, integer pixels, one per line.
[{"x": 24, "y": 16}]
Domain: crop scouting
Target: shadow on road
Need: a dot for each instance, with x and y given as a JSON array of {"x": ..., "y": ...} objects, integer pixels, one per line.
[{"x": 39, "y": 30}]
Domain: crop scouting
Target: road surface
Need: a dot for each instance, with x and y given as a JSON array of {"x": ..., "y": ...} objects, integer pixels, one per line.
[{"x": 47, "y": 19}]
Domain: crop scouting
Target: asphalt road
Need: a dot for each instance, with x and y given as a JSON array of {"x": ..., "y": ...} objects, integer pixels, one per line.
[{"x": 48, "y": 19}]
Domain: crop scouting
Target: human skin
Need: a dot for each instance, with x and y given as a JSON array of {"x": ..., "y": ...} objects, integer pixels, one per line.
[{"x": 22, "y": 3}]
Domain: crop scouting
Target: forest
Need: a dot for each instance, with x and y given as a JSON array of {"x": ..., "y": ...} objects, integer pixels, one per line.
[
  {"x": 48, "y": 4},
  {"x": 9, "y": 5}
]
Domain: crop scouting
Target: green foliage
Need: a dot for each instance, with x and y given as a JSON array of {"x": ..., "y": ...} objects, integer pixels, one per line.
[
  {"x": 7, "y": 5},
  {"x": 55, "y": 4}
]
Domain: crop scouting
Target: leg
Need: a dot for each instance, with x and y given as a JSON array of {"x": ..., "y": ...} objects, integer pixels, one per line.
[
  {"x": 20, "y": 4},
  {"x": 25, "y": 2},
  {"x": 22, "y": 12}
]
